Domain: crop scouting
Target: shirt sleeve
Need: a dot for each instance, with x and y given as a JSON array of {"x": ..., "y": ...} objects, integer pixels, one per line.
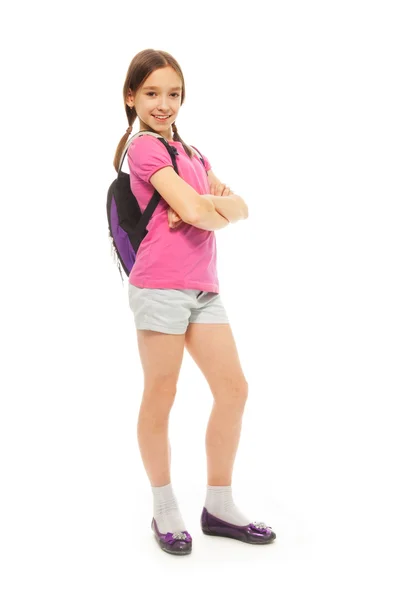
[
  {"x": 206, "y": 162},
  {"x": 146, "y": 155}
]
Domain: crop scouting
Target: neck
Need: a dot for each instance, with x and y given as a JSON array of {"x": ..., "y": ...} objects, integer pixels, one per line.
[{"x": 167, "y": 133}]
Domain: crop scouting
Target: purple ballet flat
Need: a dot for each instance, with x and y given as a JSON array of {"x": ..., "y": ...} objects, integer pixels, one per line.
[
  {"x": 253, "y": 533},
  {"x": 174, "y": 543}
]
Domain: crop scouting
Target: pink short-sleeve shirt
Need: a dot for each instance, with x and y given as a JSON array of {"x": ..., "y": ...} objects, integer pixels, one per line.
[{"x": 181, "y": 258}]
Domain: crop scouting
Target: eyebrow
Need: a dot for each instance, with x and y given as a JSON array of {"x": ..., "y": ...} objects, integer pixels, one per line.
[{"x": 154, "y": 87}]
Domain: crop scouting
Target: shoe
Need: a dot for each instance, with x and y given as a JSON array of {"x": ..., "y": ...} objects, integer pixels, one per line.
[
  {"x": 253, "y": 533},
  {"x": 173, "y": 543}
]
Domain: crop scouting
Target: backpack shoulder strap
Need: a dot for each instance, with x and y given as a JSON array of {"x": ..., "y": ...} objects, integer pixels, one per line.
[
  {"x": 199, "y": 154},
  {"x": 170, "y": 149}
]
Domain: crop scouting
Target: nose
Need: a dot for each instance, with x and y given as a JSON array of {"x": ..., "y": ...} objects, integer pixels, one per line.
[{"x": 163, "y": 104}]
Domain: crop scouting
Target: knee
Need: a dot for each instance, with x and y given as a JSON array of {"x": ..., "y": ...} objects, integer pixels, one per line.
[
  {"x": 243, "y": 391},
  {"x": 232, "y": 393},
  {"x": 160, "y": 392}
]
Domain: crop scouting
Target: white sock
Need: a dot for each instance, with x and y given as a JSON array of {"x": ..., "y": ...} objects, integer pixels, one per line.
[
  {"x": 166, "y": 510},
  {"x": 219, "y": 502}
]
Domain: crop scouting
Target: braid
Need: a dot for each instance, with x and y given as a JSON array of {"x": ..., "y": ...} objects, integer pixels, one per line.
[
  {"x": 177, "y": 138},
  {"x": 131, "y": 114}
]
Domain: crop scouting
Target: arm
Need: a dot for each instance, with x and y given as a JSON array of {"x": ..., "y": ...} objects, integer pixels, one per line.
[
  {"x": 181, "y": 197},
  {"x": 231, "y": 207},
  {"x": 150, "y": 160},
  {"x": 228, "y": 204},
  {"x": 191, "y": 207},
  {"x": 208, "y": 218}
]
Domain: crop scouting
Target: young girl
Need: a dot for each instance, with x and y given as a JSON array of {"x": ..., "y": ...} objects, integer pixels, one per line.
[{"x": 174, "y": 295}]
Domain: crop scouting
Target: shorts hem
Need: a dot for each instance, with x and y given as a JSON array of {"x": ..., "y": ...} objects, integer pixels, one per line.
[
  {"x": 160, "y": 328},
  {"x": 210, "y": 322}
]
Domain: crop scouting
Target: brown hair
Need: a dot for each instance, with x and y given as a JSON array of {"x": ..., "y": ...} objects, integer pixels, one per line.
[{"x": 142, "y": 65}]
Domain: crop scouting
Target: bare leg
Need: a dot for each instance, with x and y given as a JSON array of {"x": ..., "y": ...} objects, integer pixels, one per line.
[
  {"x": 213, "y": 348},
  {"x": 161, "y": 356},
  {"x": 222, "y": 438}
]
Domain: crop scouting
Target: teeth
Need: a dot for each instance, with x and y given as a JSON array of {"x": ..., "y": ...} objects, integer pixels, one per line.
[{"x": 157, "y": 117}]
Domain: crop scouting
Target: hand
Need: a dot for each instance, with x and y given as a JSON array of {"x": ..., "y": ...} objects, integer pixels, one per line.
[
  {"x": 220, "y": 189},
  {"x": 174, "y": 219}
]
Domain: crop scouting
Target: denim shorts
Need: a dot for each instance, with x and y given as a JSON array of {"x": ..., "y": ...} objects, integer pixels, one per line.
[{"x": 171, "y": 311}]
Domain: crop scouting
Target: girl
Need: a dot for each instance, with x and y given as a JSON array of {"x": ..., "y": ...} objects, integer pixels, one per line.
[{"x": 174, "y": 295}]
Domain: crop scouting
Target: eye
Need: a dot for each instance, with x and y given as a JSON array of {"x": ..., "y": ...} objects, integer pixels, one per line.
[{"x": 174, "y": 94}]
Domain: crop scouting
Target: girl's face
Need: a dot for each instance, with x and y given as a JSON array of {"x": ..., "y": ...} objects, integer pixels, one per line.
[{"x": 158, "y": 100}]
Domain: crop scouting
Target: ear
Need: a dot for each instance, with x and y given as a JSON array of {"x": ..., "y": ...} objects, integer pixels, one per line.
[{"x": 130, "y": 99}]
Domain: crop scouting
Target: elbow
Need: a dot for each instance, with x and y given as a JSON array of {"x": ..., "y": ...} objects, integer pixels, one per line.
[
  {"x": 190, "y": 218},
  {"x": 244, "y": 209},
  {"x": 202, "y": 209}
]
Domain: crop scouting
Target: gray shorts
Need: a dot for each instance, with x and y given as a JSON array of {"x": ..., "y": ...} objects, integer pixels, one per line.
[{"x": 171, "y": 311}]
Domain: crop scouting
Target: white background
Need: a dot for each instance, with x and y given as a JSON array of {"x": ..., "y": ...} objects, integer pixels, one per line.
[{"x": 296, "y": 105}]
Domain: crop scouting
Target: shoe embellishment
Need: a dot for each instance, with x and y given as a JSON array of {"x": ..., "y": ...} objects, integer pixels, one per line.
[
  {"x": 170, "y": 538},
  {"x": 181, "y": 535},
  {"x": 260, "y": 526}
]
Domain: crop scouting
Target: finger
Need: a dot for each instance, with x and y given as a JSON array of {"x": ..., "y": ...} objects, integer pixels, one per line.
[
  {"x": 170, "y": 219},
  {"x": 226, "y": 191},
  {"x": 174, "y": 219}
]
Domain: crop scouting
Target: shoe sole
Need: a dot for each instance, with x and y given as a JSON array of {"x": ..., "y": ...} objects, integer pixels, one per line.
[
  {"x": 262, "y": 543},
  {"x": 176, "y": 553}
]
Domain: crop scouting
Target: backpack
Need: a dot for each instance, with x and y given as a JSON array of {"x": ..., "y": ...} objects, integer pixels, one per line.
[{"x": 126, "y": 223}]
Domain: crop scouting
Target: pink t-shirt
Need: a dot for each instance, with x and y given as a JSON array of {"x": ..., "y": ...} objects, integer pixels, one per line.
[{"x": 181, "y": 258}]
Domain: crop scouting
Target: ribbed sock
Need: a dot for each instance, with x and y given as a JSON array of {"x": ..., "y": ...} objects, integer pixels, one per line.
[
  {"x": 219, "y": 502},
  {"x": 166, "y": 510}
]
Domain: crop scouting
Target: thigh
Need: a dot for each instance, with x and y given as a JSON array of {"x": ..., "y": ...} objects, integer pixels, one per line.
[
  {"x": 213, "y": 348},
  {"x": 161, "y": 356}
]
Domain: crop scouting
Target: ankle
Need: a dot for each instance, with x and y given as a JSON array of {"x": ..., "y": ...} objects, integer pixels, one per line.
[
  {"x": 166, "y": 509},
  {"x": 219, "y": 503},
  {"x": 219, "y": 482}
]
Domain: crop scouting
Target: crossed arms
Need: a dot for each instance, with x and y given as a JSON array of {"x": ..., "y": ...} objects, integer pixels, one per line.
[{"x": 228, "y": 207}]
